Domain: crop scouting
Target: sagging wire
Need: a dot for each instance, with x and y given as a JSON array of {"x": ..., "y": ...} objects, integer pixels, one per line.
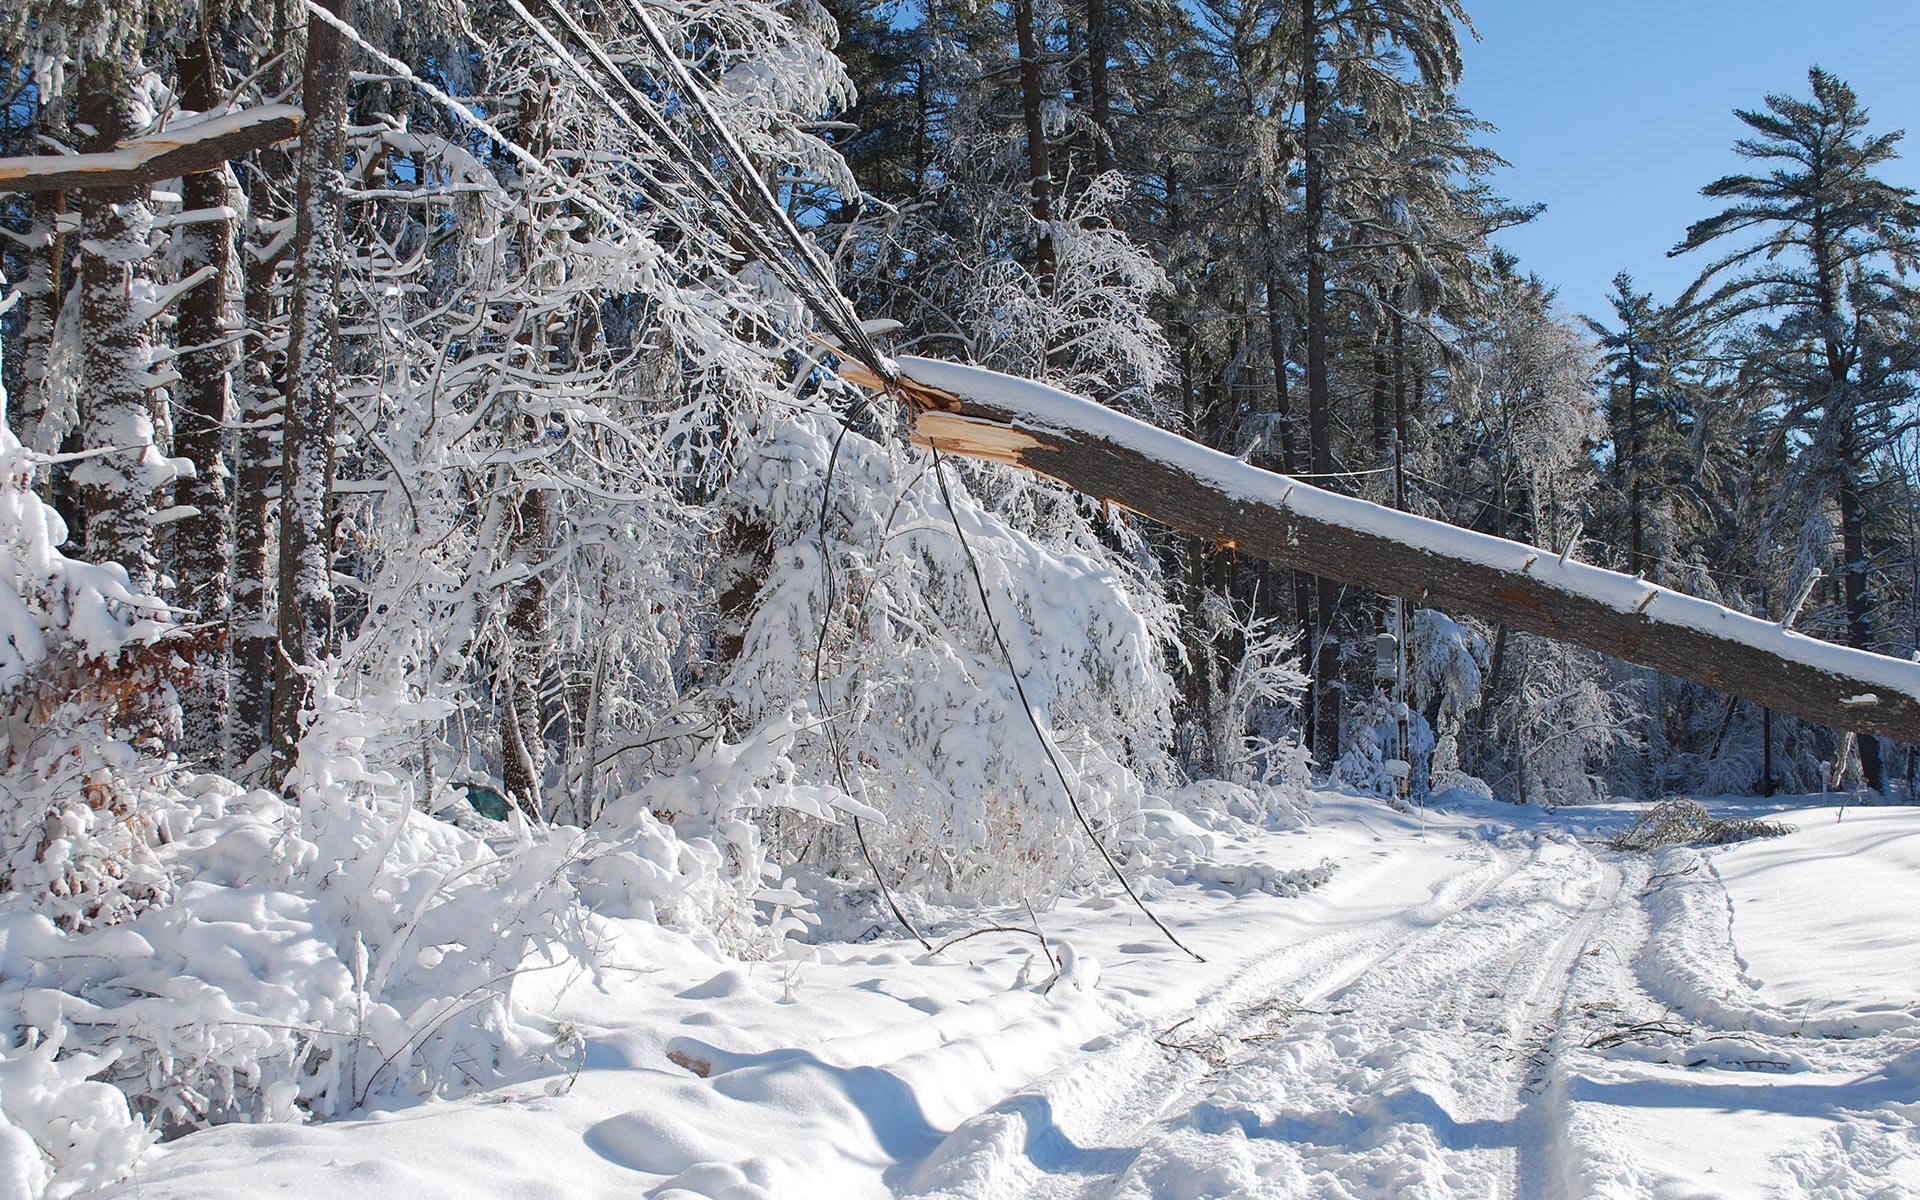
[
  {"x": 838, "y": 752},
  {"x": 1026, "y": 706},
  {"x": 836, "y": 314},
  {"x": 812, "y": 284},
  {"x": 855, "y": 335}
]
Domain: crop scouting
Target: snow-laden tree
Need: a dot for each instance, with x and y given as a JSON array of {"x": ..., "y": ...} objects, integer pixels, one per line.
[{"x": 1830, "y": 246}]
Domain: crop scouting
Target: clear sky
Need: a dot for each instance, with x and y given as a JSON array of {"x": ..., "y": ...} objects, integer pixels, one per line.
[{"x": 1614, "y": 113}]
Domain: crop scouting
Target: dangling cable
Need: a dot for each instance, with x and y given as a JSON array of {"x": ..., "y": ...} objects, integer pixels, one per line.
[
  {"x": 1026, "y": 706},
  {"x": 820, "y": 690}
]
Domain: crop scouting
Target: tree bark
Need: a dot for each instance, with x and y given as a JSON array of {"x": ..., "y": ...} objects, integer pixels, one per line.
[
  {"x": 203, "y": 415},
  {"x": 1279, "y": 336},
  {"x": 42, "y": 293},
  {"x": 306, "y": 441},
  {"x": 116, "y": 487},
  {"x": 1100, "y": 99},
  {"x": 252, "y": 616},
  {"x": 1039, "y": 170},
  {"x": 1324, "y": 647},
  {"x": 528, "y": 631},
  {"x": 1853, "y": 579},
  {"x": 1233, "y": 504},
  {"x": 127, "y": 163}
]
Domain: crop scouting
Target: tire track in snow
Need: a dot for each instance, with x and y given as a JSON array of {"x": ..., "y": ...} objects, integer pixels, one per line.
[
  {"x": 1019, "y": 1147},
  {"x": 1543, "y": 1016},
  {"x": 1421, "y": 1049}
]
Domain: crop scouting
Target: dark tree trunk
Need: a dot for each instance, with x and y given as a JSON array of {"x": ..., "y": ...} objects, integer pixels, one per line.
[
  {"x": 1039, "y": 169},
  {"x": 1853, "y": 579},
  {"x": 1278, "y": 338},
  {"x": 42, "y": 292},
  {"x": 1636, "y": 521},
  {"x": 263, "y": 399},
  {"x": 306, "y": 442},
  {"x": 1324, "y": 647},
  {"x": 204, "y": 543},
  {"x": 1099, "y": 99},
  {"x": 117, "y": 489}
]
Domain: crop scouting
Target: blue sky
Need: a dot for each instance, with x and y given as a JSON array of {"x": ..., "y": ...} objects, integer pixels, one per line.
[{"x": 1615, "y": 112}]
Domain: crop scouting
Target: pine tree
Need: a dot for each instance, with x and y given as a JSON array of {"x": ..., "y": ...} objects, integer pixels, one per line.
[
  {"x": 1351, "y": 66},
  {"x": 1827, "y": 247}
]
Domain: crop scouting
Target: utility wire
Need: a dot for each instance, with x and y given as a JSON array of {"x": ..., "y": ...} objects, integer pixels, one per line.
[
  {"x": 1026, "y": 706},
  {"x": 820, "y": 692},
  {"x": 812, "y": 282}
]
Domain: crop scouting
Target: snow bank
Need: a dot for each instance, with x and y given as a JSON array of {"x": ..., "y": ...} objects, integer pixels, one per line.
[{"x": 1692, "y": 961}]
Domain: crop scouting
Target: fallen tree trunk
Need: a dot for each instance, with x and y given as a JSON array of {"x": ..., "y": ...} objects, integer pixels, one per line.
[
  {"x": 180, "y": 150},
  {"x": 980, "y": 414}
]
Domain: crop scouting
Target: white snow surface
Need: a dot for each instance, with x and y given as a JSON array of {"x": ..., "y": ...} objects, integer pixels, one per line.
[
  {"x": 1477, "y": 1001},
  {"x": 1042, "y": 407}
]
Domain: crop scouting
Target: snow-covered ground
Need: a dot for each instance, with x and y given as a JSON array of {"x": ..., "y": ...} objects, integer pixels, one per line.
[{"x": 1478, "y": 1002}]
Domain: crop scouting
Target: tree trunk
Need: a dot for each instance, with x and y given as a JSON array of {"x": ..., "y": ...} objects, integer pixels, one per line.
[
  {"x": 528, "y": 631},
  {"x": 1278, "y": 337},
  {"x": 1636, "y": 521},
  {"x": 262, "y": 401},
  {"x": 1853, "y": 579},
  {"x": 1340, "y": 538},
  {"x": 1324, "y": 647},
  {"x": 1100, "y": 99},
  {"x": 306, "y": 441},
  {"x": 1039, "y": 171},
  {"x": 42, "y": 292},
  {"x": 202, "y": 417},
  {"x": 117, "y": 489}
]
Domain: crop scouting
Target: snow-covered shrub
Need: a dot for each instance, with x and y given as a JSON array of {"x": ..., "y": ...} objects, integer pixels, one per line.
[
  {"x": 1372, "y": 730},
  {"x": 60, "y": 1133},
  {"x": 1250, "y": 729},
  {"x": 1183, "y": 850},
  {"x": 312, "y": 954},
  {"x": 1559, "y": 714},
  {"x": 176, "y": 950},
  {"x": 1092, "y": 331},
  {"x": 1219, "y": 804},
  {"x": 719, "y": 881},
  {"x": 1446, "y": 664},
  {"x": 77, "y": 661},
  {"x": 925, "y": 708}
]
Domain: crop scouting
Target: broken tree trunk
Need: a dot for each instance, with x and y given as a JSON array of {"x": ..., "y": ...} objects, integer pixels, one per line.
[
  {"x": 180, "y": 150},
  {"x": 980, "y": 414}
]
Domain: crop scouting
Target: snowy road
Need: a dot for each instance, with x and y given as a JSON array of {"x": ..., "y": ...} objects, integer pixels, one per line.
[
  {"x": 1489, "y": 1004},
  {"x": 1402, "y": 1058}
]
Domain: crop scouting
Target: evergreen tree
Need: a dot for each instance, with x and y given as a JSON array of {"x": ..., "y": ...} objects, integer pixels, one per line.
[{"x": 1823, "y": 269}]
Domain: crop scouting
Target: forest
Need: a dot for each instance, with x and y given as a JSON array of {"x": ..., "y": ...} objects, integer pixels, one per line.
[{"x": 442, "y": 521}]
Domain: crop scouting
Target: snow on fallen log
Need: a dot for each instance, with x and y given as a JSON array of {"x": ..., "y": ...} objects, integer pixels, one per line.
[
  {"x": 982, "y": 414},
  {"x": 180, "y": 149}
]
